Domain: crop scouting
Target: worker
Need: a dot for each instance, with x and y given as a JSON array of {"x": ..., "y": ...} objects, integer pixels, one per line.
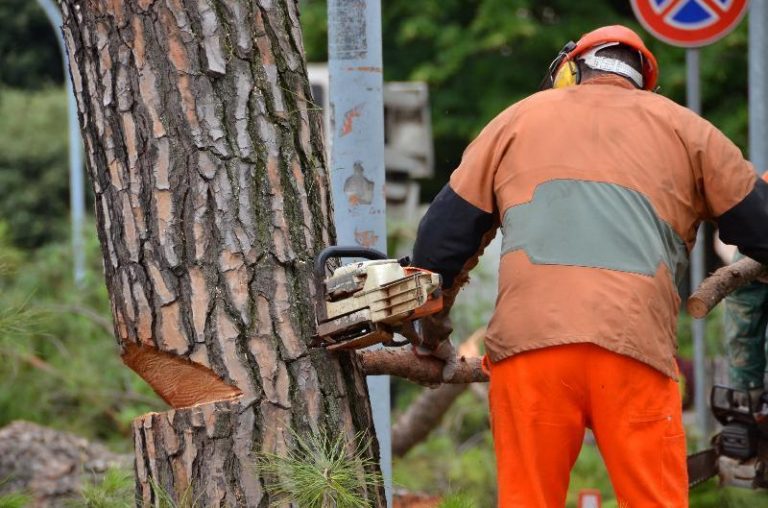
[
  {"x": 599, "y": 186},
  {"x": 746, "y": 319}
]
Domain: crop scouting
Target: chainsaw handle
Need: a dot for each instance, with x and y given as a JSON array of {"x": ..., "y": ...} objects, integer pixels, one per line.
[{"x": 343, "y": 252}]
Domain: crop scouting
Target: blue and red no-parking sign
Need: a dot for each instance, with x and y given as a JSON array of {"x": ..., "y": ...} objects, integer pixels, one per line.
[{"x": 689, "y": 23}]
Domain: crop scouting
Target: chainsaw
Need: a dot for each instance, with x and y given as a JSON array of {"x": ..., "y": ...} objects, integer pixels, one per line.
[
  {"x": 740, "y": 452},
  {"x": 366, "y": 302}
]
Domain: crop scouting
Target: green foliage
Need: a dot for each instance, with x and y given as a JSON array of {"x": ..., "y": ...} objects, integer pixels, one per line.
[
  {"x": 114, "y": 490},
  {"x": 321, "y": 472},
  {"x": 15, "y": 500},
  {"x": 30, "y": 55},
  {"x": 457, "y": 501},
  {"x": 34, "y": 178},
  {"x": 714, "y": 332},
  {"x": 457, "y": 457},
  {"x": 59, "y": 350}
]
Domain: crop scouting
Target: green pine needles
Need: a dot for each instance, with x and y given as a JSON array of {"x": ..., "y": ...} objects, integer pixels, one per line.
[{"x": 321, "y": 472}]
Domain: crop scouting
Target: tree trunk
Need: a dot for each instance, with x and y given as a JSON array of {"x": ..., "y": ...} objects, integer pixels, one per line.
[{"x": 206, "y": 161}]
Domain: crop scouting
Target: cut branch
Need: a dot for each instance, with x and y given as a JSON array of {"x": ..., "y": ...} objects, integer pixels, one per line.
[
  {"x": 721, "y": 283},
  {"x": 424, "y": 371}
]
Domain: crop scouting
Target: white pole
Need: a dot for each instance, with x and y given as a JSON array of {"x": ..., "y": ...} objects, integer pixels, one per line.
[{"x": 76, "y": 179}]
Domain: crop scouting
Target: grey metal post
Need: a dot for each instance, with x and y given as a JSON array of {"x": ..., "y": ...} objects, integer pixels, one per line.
[
  {"x": 698, "y": 326},
  {"x": 758, "y": 85},
  {"x": 357, "y": 157},
  {"x": 76, "y": 179}
]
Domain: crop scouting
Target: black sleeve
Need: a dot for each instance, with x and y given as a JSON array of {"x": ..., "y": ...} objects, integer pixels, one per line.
[
  {"x": 746, "y": 224},
  {"x": 449, "y": 234}
]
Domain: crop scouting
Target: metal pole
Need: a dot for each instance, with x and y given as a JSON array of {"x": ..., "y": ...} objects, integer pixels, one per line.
[
  {"x": 698, "y": 326},
  {"x": 76, "y": 179},
  {"x": 758, "y": 85},
  {"x": 357, "y": 158}
]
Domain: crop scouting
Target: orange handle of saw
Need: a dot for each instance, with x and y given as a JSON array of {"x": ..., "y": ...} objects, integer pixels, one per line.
[{"x": 434, "y": 303}]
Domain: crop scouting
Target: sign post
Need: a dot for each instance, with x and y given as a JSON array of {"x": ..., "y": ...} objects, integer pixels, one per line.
[
  {"x": 698, "y": 267},
  {"x": 691, "y": 24},
  {"x": 357, "y": 159},
  {"x": 758, "y": 84}
]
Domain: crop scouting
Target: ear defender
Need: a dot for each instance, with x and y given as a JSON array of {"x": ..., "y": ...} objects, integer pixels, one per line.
[
  {"x": 566, "y": 75},
  {"x": 562, "y": 71}
]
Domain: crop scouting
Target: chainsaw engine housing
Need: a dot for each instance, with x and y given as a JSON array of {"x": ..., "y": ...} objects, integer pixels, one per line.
[{"x": 365, "y": 301}]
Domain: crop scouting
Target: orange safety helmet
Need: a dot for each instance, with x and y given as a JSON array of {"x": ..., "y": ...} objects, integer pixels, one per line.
[{"x": 564, "y": 72}]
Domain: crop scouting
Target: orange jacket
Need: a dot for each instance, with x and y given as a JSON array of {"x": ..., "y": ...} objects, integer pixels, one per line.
[{"x": 599, "y": 189}]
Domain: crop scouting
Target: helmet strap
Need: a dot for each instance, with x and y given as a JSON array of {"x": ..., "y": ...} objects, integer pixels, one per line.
[{"x": 612, "y": 65}]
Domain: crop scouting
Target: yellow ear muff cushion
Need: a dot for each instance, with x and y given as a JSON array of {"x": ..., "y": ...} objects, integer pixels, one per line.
[{"x": 566, "y": 75}]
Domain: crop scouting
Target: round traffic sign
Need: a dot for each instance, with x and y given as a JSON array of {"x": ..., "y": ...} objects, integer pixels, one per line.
[{"x": 689, "y": 23}]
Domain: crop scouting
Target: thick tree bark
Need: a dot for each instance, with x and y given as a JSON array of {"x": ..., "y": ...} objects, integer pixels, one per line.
[
  {"x": 722, "y": 283},
  {"x": 206, "y": 161}
]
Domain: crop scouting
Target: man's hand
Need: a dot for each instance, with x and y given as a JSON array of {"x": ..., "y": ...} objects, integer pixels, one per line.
[
  {"x": 447, "y": 353},
  {"x": 434, "y": 329},
  {"x": 432, "y": 334}
]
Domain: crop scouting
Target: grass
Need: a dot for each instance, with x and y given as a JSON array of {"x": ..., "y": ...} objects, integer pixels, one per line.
[
  {"x": 115, "y": 490},
  {"x": 165, "y": 500},
  {"x": 15, "y": 500}
]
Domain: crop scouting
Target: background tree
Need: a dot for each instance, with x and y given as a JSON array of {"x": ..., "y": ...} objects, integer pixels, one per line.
[
  {"x": 211, "y": 200},
  {"x": 28, "y": 48},
  {"x": 33, "y": 144}
]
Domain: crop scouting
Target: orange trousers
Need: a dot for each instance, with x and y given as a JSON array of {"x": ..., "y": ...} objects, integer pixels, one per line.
[{"x": 541, "y": 402}]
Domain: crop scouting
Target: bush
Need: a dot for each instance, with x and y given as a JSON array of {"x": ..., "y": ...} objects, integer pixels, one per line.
[{"x": 34, "y": 174}]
